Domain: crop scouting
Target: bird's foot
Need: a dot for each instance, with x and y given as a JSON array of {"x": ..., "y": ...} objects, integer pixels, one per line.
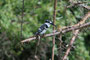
[{"x": 43, "y": 35}]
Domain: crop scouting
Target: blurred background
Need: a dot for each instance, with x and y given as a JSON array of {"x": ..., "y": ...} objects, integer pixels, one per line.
[{"x": 35, "y": 14}]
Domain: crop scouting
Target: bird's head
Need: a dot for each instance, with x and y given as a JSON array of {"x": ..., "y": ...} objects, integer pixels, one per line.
[{"x": 50, "y": 22}]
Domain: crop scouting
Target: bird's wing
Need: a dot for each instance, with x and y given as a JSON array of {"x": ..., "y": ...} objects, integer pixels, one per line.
[
  {"x": 41, "y": 28},
  {"x": 44, "y": 26}
]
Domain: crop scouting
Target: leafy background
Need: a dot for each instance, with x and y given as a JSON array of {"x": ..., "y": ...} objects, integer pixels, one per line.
[{"x": 35, "y": 13}]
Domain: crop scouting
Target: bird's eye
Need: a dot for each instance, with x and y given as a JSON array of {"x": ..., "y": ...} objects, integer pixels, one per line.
[{"x": 46, "y": 21}]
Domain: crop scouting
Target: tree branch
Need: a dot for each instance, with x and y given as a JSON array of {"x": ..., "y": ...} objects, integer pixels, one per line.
[
  {"x": 85, "y": 6},
  {"x": 71, "y": 43},
  {"x": 78, "y": 4},
  {"x": 60, "y": 47},
  {"x": 63, "y": 31},
  {"x": 54, "y": 19},
  {"x": 76, "y": 34}
]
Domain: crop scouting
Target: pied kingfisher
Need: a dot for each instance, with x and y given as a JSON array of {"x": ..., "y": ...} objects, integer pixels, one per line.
[{"x": 43, "y": 28}]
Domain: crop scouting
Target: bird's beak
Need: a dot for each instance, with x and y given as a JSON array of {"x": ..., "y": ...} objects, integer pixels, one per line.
[{"x": 53, "y": 24}]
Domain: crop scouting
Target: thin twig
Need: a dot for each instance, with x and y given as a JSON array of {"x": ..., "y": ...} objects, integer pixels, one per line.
[
  {"x": 37, "y": 45},
  {"x": 22, "y": 18},
  {"x": 85, "y": 6},
  {"x": 74, "y": 4},
  {"x": 54, "y": 19},
  {"x": 75, "y": 35},
  {"x": 60, "y": 47},
  {"x": 36, "y": 50},
  {"x": 78, "y": 4}
]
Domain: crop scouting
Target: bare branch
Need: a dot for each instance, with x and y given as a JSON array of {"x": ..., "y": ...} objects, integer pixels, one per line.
[
  {"x": 63, "y": 31},
  {"x": 75, "y": 34},
  {"x": 78, "y": 4},
  {"x": 60, "y": 47},
  {"x": 71, "y": 43},
  {"x": 22, "y": 18},
  {"x": 75, "y": 4},
  {"x": 54, "y": 19},
  {"x": 85, "y": 6}
]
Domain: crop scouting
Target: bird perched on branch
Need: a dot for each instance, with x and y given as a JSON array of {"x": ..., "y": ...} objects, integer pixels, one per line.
[{"x": 43, "y": 28}]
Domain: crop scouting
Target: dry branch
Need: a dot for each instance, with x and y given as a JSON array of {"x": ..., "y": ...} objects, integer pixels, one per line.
[
  {"x": 85, "y": 6},
  {"x": 76, "y": 33},
  {"x": 79, "y": 4},
  {"x": 60, "y": 47},
  {"x": 63, "y": 31},
  {"x": 71, "y": 43},
  {"x": 66, "y": 29},
  {"x": 75, "y": 4},
  {"x": 54, "y": 19},
  {"x": 22, "y": 18}
]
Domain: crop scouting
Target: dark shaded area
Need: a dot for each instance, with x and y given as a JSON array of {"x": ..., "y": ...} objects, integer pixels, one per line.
[{"x": 87, "y": 42}]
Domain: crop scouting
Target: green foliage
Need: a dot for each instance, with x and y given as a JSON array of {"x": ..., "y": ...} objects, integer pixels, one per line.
[{"x": 35, "y": 13}]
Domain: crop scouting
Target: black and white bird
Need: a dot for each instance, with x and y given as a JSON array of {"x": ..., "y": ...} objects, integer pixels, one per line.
[{"x": 43, "y": 28}]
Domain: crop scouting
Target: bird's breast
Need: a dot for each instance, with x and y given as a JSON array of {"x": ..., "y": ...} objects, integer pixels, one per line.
[{"x": 43, "y": 32}]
